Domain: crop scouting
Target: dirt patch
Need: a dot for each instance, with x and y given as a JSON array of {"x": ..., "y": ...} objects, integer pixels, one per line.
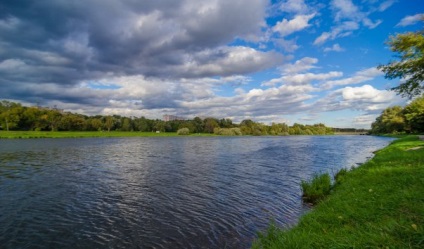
[{"x": 415, "y": 148}]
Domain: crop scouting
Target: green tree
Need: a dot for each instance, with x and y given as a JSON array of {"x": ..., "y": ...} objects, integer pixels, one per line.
[
  {"x": 391, "y": 120},
  {"x": 95, "y": 124},
  {"x": 9, "y": 114},
  {"x": 198, "y": 125},
  {"x": 126, "y": 125},
  {"x": 414, "y": 115},
  {"x": 53, "y": 118},
  {"x": 210, "y": 125},
  {"x": 109, "y": 123},
  {"x": 410, "y": 49}
]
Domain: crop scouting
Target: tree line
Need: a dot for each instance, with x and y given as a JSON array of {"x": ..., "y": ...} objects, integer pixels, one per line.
[
  {"x": 15, "y": 116},
  {"x": 397, "y": 119}
]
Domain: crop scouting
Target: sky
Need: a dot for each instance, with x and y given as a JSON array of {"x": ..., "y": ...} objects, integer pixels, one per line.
[{"x": 292, "y": 61}]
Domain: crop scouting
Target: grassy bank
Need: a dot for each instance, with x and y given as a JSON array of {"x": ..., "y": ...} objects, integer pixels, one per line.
[
  {"x": 79, "y": 134},
  {"x": 377, "y": 205}
]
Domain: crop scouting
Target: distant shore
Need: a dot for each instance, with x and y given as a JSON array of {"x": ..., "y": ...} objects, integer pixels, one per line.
[
  {"x": 105, "y": 134},
  {"x": 86, "y": 134}
]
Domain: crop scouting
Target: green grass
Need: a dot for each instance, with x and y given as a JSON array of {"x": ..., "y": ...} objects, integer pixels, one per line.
[
  {"x": 317, "y": 189},
  {"x": 377, "y": 205},
  {"x": 80, "y": 134}
]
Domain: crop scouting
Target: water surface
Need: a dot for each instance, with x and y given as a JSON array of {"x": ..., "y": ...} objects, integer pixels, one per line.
[{"x": 180, "y": 192}]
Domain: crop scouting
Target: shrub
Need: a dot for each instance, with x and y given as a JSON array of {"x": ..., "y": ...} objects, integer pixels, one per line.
[
  {"x": 227, "y": 131},
  {"x": 183, "y": 131},
  {"x": 317, "y": 189}
]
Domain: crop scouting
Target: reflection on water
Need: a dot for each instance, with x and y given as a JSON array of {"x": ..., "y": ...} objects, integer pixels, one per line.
[{"x": 160, "y": 192}]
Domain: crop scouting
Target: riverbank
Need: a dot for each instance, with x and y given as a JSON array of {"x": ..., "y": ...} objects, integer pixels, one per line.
[
  {"x": 81, "y": 134},
  {"x": 377, "y": 205}
]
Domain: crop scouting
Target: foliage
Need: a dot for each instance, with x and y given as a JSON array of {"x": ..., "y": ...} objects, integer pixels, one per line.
[
  {"x": 14, "y": 116},
  {"x": 227, "y": 131},
  {"x": 399, "y": 120},
  {"x": 410, "y": 49},
  {"x": 414, "y": 114},
  {"x": 317, "y": 189},
  {"x": 183, "y": 131},
  {"x": 377, "y": 205}
]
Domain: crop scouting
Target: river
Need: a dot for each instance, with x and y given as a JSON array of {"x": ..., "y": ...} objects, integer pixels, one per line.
[{"x": 177, "y": 192}]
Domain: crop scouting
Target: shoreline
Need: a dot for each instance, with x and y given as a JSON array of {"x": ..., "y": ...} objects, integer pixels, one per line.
[
  {"x": 379, "y": 204},
  {"x": 88, "y": 134},
  {"x": 117, "y": 134}
]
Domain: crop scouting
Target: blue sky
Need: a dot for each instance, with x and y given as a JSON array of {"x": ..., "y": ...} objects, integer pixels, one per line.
[{"x": 281, "y": 61}]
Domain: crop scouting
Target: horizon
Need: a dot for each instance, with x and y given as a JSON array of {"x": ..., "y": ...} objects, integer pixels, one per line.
[{"x": 290, "y": 61}]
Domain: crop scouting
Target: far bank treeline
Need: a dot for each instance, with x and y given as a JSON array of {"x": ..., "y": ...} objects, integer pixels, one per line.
[
  {"x": 14, "y": 116},
  {"x": 397, "y": 119}
]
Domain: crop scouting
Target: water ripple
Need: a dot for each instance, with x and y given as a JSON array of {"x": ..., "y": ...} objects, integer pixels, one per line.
[{"x": 160, "y": 192}]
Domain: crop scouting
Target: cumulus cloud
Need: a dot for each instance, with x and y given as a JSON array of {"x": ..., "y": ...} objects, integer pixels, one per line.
[
  {"x": 128, "y": 38},
  {"x": 286, "y": 27},
  {"x": 410, "y": 20},
  {"x": 359, "y": 77},
  {"x": 365, "y": 98}
]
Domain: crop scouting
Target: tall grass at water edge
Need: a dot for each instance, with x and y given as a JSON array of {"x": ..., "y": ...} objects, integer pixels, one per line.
[{"x": 377, "y": 205}]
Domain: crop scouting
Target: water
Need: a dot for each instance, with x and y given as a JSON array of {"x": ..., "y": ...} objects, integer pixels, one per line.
[{"x": 213, "y": 192}]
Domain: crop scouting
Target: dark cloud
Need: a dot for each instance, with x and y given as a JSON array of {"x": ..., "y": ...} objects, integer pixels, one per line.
[{"x": 125, "y": 37}]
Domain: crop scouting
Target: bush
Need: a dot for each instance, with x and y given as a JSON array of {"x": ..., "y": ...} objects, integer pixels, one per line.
[
  {"x": 317, "y": 189},
  {"x": 183, "y": 131},
  {"x": 227, "y": 131}
]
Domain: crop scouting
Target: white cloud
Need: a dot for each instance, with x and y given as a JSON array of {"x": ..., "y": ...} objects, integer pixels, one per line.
[
  {"x": 348, "y": 18},
  {"x": 226, "y": 61},
  {"x": 303, "y": 79},
  {"x": 286, "y": 27},
  {"x": 385, "y": 5},
  {"x": 358, "y": 77},
  {"x": 336, "y": 48},
  {"x": 365, "y": 98},
  {"x": 345, "y": 9},
  {"x": 304, "y": 64},
  {"x": 370, "y": 24},
  {"x": 410, "y": 20},
  {"x": 294, "y": 6},
  {"x": 364, "y": 120},
  {"x": 288, "y": 45},
  {"x": 342, "y": 30},
  {"x": 365, "y": 92}
]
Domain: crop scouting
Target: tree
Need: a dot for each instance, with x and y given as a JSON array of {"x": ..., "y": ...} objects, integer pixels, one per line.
[
  {"x": 9, "y": 114},
  {"x": 109, "y": 122},
  {"x": 414, "y": 115},
  {"x": 126, "y": 124},
  {"x": 210, "y": 124},
  {"x": 410, "y": 67},
  {"x": 391, "y": 120}
]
